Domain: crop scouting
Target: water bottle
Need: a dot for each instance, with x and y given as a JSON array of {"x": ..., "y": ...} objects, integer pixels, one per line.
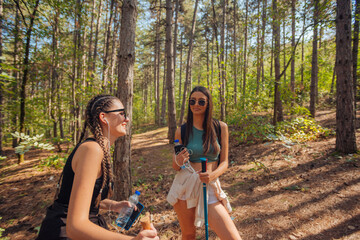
[
  {"x": 178, "y": 147},
  {"x": 126, "y": 212}
]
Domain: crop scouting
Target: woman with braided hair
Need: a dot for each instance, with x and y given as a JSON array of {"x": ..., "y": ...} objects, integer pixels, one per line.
[{"x": 86, "y": 181}]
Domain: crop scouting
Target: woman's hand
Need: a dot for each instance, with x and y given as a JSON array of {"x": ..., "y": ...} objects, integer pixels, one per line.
[
  {"x": 182, "y": 157},
  {"x": 206, "y": 177},
  {"x": 147, "y": 234},
  {"x": 117, "y": 206}
]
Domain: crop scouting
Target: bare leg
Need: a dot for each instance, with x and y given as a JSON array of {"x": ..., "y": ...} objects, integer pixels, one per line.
[
  {"x": 221, "y": 223},
  {"x": 186, "y": 219}
]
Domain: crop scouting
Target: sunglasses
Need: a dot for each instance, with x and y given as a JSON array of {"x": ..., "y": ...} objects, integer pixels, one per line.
[
  {"x": 201, "y": 102},
  {"x": 121, "y": 110}
]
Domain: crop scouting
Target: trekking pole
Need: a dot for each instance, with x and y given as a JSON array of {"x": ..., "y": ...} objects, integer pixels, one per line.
[{"x": 203, "y": 169}]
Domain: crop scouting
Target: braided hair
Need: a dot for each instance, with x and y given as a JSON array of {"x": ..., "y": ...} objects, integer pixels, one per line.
[{"x": 96, "y": 105}]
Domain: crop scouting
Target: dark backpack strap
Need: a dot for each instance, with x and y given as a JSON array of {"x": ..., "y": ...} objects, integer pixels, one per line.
[{"x": 183, "y": 130}]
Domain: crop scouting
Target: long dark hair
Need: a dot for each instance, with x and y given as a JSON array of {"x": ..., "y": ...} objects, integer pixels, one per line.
[{"x": 209, "y": 135}]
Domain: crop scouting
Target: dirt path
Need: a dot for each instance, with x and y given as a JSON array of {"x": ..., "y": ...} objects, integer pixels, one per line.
[{"x": 304, "y": 191}]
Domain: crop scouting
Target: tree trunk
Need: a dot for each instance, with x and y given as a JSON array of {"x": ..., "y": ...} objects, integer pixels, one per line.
[
  {"x": 258, "y": 67},
  {"x": 284, "y": 49},
  {"x": 245, "y": 48},
  {"x": 163, "y": 98},
  {"x": 98, "y": 21},
  {"x": 1, "y": 85},
  {"x": 175, "y": 36},
  {"x": 188, "y": 63},
  {"x": 303, "y": 47},
  {"x": 26, "y": 67},
  {"x": 356, "y": 49},
  {"x": 264, "y": 9},
  {"x": 16, "y": 76},
  {"x": 235, "y": 54},
  {"x": 292, "y": 77},
  {"x": 107, "y": 47},
  {"x": 278, "y": 116},
  {"x": 170, "y": 74},
  {"x": 126, "y": 59},
  {"x": 314, "y": 62},
  {"x": 222, "y": 62},
  {"x": 345, "y": 114}
]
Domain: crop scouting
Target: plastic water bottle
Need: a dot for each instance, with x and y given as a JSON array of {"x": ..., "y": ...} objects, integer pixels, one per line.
[
  {"x": 126, "y": 212},
  {"x": 177, "y": 146}
]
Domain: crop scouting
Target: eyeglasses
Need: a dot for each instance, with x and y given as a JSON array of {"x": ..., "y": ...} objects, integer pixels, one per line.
[
  {"x": 121, "y": 110},
  {"x": 201, "y": 102}
]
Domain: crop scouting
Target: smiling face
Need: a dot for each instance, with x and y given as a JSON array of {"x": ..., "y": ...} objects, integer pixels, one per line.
[
  {"x": 198, "y": 103},
  {"x": 116, "y": 118}
]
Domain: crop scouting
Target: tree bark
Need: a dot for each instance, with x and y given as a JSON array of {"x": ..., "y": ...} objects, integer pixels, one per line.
[
  {"x": 356, "y": 50},
  {"x": 170, "y": 74},
  {"x": 245, "y": 47},
  {"x": 126, "y": 59},
  {"x": 258, "y": 66},
  {"x": 107, "y": 47},
  {"x": 314, "y": 62},
  {"x": 188, "y": 63},
  {"x": 292, "y": 77},
  {"x": 1, "y": 84},
  {"x": 278, "y": 116},
  {"x": 264, "y": 9},
  {"x": 26, "y": 67},
  {"x": 345, "y": 114},
  {"x": 222, "y": 61},
  {"x": 235, "y": 54}
]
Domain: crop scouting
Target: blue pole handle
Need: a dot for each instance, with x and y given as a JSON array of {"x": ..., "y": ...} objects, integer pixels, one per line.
[{"x": 203, "y": 164}]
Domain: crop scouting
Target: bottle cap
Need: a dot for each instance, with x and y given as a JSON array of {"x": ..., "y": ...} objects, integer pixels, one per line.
[
  {"x": 176, "y": 140},
  {"x": 137, "y": 193},
  {"x": 203, "y": 159}
]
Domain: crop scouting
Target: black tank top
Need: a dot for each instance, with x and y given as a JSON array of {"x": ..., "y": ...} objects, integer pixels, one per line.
[{"x": 68, "y": 179}]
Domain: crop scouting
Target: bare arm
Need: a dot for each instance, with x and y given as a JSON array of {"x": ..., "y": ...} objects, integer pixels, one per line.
[
  {"x": 87, "y": 167},
  {"x": 182, "y": 156}
]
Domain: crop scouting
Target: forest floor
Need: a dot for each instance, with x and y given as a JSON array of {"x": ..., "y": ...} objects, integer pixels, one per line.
[{"x": 304, "y": 191}]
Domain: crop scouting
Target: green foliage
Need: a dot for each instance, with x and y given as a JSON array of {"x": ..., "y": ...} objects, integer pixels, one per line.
[
  {"x": 250, "y": 128},
  {"x": 1, "y": 232},
  {"x": 28, "y": 142},
  {"x": 302, "y": 130},
  {"x": 54, "y": 161},
  {"x": 2, "y": 158}
]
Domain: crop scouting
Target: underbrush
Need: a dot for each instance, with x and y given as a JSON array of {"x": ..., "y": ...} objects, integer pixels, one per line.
[
  {"x": 252, "y": 128},
  {"x": 54, "y": 161}
]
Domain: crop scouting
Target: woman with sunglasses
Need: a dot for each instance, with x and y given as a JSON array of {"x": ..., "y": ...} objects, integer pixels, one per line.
[
  {"x": 185, "y": 194},
  {"x": 86, "y": 181}
]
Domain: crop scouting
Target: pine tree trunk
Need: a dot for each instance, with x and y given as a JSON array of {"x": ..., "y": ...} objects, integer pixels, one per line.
[
  {"x": 356, "y": 49},
  {"x": 235, "y": 54},
  {"x": 126, "y": 60},
  {"x": 264, "y": 9},
  {"x": 163, "y": 98},
  {"x": 258, "y": 66},
  {"x": 188, "y": 63},
  {"x": 107, "y": 48},
  {"x": 170, "y": 74},
  {"x": 16, "y": 77},
  {"x": 1, "y": 85},
  {"x": 26, "y": 67},
  {"x": 222, "y": 62},
  {"x": 245, "y": 48},
  {"x": 292, "y": 77},
  {"x": 95, "y": 53},
  {"x": 345, "y": 114},
  {"x": 278, "y": 116},
  {"x": 314, "y": 63}
]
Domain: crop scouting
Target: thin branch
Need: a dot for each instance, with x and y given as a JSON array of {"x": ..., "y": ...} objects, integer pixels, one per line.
[{"x": 22, "y": 15}]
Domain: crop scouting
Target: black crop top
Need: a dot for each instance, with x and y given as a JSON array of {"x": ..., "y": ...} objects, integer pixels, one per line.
[{"x": 68, "y": 179}]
